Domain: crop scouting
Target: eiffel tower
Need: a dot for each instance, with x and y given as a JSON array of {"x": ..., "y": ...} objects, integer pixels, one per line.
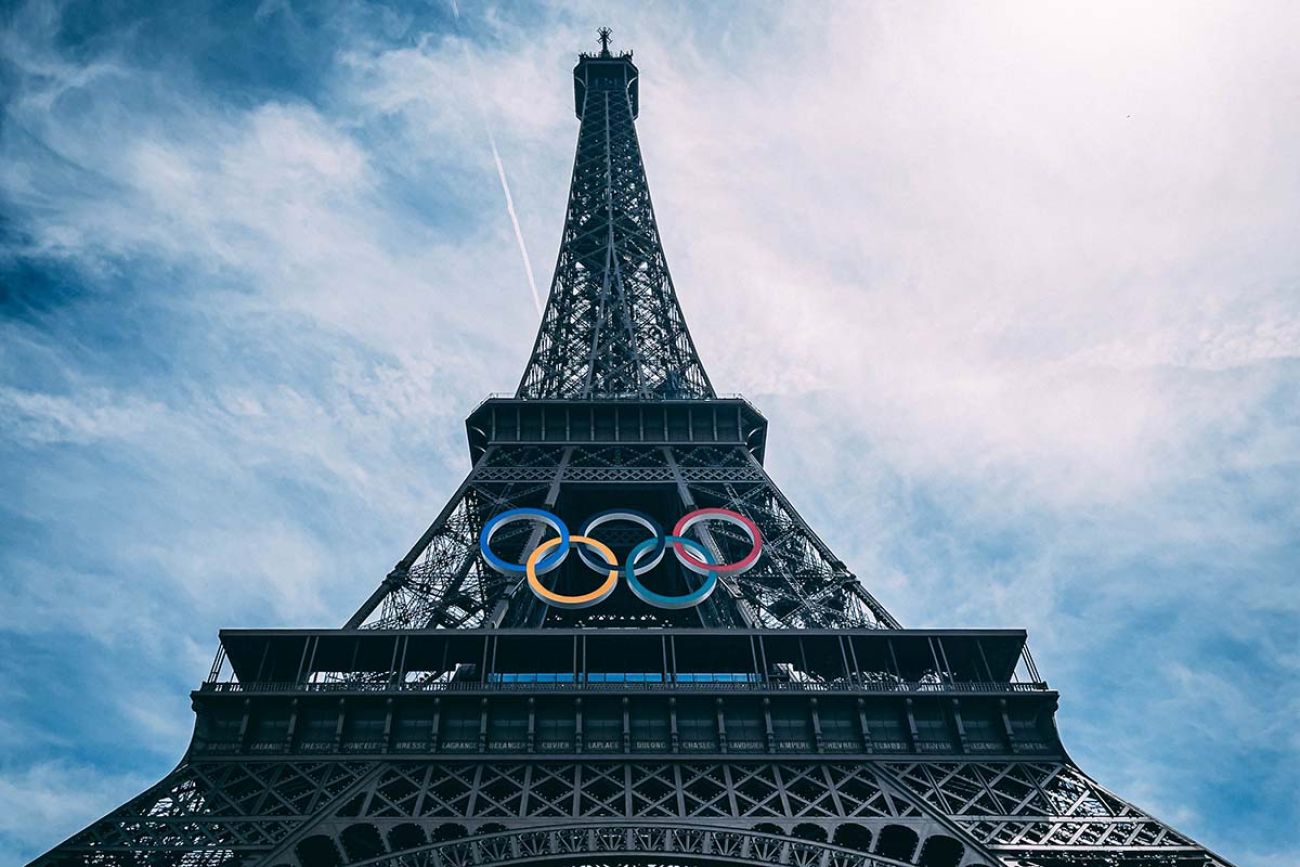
[{"x": 728, "y": 693}]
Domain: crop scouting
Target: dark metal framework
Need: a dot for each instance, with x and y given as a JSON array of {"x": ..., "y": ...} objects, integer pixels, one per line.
[
  {"x": 667, "y": 457},
  {"x": 613, "y": 327},
  {"x": 457, "y": 721}
]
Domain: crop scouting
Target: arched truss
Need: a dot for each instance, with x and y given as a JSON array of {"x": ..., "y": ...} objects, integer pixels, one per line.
[
  {"x": 244, "y": 813},
  {"x": 599, "y": 844}
]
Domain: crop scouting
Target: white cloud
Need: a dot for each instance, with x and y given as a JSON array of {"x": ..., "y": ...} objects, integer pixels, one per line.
[
  {"x": 94, "y": 415},
  {"x": 48, "y": 800},
  {"x": 977, "y": 247}
]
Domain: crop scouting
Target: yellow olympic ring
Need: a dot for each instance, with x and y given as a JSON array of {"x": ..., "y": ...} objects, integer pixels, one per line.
[{"x": 586, "y": 599}]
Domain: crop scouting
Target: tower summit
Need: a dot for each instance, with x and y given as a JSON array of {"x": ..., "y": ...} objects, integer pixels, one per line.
[
  {"x": 619, "y": 643},
  {"x": 612, "y": 326}
]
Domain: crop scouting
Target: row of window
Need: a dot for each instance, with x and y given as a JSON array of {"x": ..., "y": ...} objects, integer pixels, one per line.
[{"x": 557, "y": 726}]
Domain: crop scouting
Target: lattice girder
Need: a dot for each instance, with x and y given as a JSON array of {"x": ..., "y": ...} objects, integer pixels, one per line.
[
  {"x": 444, "y": 581},
  {"x": 1030, "y": 808},
  {"x": 612, "y": 325},
  {"x": 227, "y": 813}
]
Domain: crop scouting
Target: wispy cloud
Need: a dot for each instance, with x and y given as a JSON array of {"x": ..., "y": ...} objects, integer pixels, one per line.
[
  {"x": 46, "y": 801},
  {"x": 471, "y": 72}
]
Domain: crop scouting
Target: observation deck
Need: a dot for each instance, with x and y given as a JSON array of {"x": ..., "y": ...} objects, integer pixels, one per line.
[
  {"x": 586, "y": 691},
  {"x": 724, "y": 421},
  {"x": 606, "y": 68}
]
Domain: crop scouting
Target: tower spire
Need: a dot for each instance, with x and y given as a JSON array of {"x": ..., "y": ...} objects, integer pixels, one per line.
[{"x": 612, "y": 327}]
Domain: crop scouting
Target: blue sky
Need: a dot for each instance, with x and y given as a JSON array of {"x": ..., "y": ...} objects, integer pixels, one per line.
[{"x": 1017, "y": 285}]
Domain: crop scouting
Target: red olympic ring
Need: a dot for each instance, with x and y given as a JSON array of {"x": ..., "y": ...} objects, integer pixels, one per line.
[{"x": 695, "y": 564}]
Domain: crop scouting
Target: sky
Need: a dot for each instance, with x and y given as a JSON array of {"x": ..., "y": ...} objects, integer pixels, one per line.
[{"x": 1016, "y": 284}]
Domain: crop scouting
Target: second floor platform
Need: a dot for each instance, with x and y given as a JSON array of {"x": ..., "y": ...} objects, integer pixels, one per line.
[{"x": 657, "y": 660}]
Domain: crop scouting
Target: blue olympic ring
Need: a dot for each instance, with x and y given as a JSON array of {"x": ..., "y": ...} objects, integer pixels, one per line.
[
  {"x": 509, "y": 517},
  {"x": 658, "y": 600}
]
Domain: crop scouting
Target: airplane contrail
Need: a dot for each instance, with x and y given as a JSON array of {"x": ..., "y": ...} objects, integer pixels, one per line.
[
  {"x": 514, "y": 221},
  {"x": 496, "y": 158}
]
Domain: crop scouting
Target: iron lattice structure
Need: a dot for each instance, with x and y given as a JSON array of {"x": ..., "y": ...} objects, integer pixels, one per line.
[
  {"x": 612, "y": 327},
  {"x": 458, "y": 721},
  {"x": 444, "y": 582}
]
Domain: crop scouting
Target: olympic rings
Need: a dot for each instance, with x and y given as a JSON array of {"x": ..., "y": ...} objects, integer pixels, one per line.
[
  {"x": 658, "y": 599},
  {"x": 736, "y": 520},
  {"x": 633, "y": 517},
  {"x": 586, "y": 600},
  {"x": 645, "y": 555},
  {"x": 509, "y": 517}
]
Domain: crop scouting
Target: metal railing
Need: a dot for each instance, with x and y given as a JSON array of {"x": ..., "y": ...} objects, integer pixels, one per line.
[
  {"x": 877, "y": 687},
  {"x": 510, "y": 395}
]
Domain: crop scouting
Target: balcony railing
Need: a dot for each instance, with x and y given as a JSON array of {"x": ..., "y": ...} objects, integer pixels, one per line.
[
  {"x": 510, "y": 395},
  {"x": 878, "y": 687}
]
